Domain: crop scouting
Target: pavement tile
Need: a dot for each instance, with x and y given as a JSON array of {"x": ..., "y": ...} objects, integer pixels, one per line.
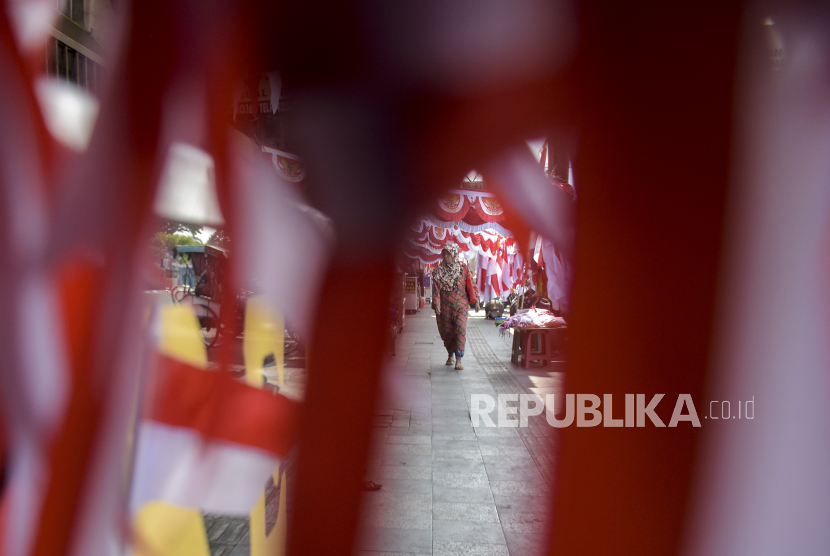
[
  {"x": 525, "y": 523},
  {"x": 408, "y": 439},
  {"x": 468, "y": 549},
  {"x": 240, "y": 550},
  {"x": 406, "y": 486},
  {"x": 478, "y": 386},
  {"x": 226, "y": 530},
  {"x": 468, "y": 402},
  {"x": 499, "y": 435},
  {"x": 396, "y": 519},
  {"x": 459, "y": 511},
  {"x": 524, "y": 544},
  {"x": 420, "y": 449},
  {"x": 537, "y": 432},
  {"x": 497, "y": 451},
  {"x": 448, "y": 403},
  {"x": 374, "y": 553},
  {"x": 447, "y": 439},
  {"x": 509, "y": 471},
  {"x": 470, "y": 466},
  {"x": 467, "y": 531},
  {"x": 538, "y": 451},
  {"x": 417, "y": 541},
  {"x": 450, "y": 410},
  {"x": 544, "y": 462},
  {"x": 523, "y": 504},
  {"x": 447, "y": 453},
  {"x": 471, "y": 388},
  {"x": 537, "y": 441},
  {"x": 456, "y": 410},
  {"x": 404, "y": 472},
  {"x": 447, "y": 396},
  {"x": 457, "y": 421},
  {"x": 481, "y": 495},
  {"x": 417, "y": 460},
  {"x": 454, "y": 442},
  {"x": 460, "y": 480},
  {"x": 449, "y": 386},
  {"x": 446, "y": 411},
  {"x": 412, "y": 430},
  {"x": 454, "y": 399},
  {"x": 421, "y": 419},
  {"x": 450, "y": 428},
  {"x": 389, "y": 501},
  {"x": 439, "y": 379},
  {"x": 517, "y": 487},
  {"x": 440, "y": 403}
]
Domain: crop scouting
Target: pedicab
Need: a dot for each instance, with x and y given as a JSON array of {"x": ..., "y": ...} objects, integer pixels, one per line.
[{"x": 208, "y": 295}]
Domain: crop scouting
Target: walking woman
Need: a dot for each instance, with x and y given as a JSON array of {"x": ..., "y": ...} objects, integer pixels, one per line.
[{"x": 449, "y": 294}]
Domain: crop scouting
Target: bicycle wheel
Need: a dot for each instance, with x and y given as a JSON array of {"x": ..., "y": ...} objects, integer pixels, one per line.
[
  {"x": 179, "y": 293},
  {"x": 290, "y": 342},
  {"x": 208, "y": 324}
]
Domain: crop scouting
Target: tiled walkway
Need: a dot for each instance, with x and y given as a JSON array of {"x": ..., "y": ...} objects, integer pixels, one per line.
[{"x": 449, "y": 488}]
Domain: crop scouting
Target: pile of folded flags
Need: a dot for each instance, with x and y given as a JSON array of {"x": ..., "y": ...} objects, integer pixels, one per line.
[{"x": 531, "y": 318}]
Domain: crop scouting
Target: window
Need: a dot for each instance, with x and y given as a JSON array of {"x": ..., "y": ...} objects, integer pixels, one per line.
[
  {"x": 73, "y": 9},
  {"x": 64, "y": 62}
]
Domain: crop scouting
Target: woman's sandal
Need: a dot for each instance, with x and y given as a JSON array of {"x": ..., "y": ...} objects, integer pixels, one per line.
[
  {"x": 459, "y": 366},
  {"x": 450, "y": 360}
]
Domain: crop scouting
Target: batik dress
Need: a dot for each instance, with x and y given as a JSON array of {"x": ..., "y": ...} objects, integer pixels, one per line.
[{"x": 452, "y": 322}]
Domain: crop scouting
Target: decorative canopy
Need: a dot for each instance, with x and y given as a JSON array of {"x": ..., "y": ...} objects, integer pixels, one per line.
[
  {"x": 473, "y": 208},
  {"x": 426, "y": 241},
  {"x": 471, "y": 217}
]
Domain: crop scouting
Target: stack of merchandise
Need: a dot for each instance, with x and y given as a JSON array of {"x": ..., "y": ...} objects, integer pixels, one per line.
[{"x": 532, "y": 318}]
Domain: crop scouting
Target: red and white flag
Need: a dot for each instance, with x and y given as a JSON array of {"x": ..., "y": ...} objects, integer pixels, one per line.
[
  {"x": 494, "y": 276},
  {"x": 209, "y": 441}
]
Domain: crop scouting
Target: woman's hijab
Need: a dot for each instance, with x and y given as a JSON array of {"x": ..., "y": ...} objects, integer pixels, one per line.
[{"x": 448, "y": 276}]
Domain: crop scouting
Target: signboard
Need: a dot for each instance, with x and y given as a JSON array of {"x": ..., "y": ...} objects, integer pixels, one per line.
[
  {"x": 257, "y": 96},
  {"x": 477, "y": 185},
  {"x": 410, "y": 294}
]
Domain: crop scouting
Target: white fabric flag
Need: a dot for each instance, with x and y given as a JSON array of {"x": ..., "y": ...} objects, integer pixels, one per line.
[{"x": 764, "y": 483}]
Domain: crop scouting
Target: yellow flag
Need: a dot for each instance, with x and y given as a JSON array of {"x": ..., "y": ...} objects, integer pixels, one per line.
[
  {"x": 181, "y": 336},
  {"x": 164, "y": 529},
  {"x": 273, "y": 544},
  {"x": 264, "y": 335}
]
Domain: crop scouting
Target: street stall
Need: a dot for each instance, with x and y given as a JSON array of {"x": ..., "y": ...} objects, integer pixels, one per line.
[{"x": 539, "y": 337}]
